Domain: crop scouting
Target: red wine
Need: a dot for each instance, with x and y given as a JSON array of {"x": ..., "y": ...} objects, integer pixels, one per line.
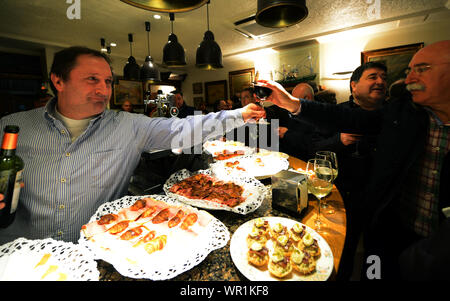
[{"x": 262, "y": 92}]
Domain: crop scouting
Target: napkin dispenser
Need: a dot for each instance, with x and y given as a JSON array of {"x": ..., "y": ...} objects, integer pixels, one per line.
[{"x": 289, "y": 192}]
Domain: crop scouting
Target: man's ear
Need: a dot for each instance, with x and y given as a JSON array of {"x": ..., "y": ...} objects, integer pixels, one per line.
[
  {"x": 57, "y": 81},
  {"x": 353, "y": 85}
]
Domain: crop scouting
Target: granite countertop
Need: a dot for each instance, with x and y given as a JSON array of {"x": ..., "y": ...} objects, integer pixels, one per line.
[{"x": 218, "y": 265}]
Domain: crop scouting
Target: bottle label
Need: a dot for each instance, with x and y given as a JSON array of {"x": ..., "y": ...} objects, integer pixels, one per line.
[
  {"x": 9, "y": 141},
  {"x": 16, "y": 193}
]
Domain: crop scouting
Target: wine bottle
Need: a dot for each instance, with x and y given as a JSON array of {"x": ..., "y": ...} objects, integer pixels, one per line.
[{"x": 11, "y": 168}]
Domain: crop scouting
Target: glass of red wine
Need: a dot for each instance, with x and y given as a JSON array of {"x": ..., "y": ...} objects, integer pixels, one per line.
[{"x": 261, "y": 91}]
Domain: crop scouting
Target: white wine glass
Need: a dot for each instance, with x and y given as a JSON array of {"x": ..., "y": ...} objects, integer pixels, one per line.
[
  {"x": 319, "y": 183},
  {"x": 330, "y": 156}
]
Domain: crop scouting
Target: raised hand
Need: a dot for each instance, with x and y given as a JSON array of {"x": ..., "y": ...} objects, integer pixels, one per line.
[{"x": 280, "y": 96}]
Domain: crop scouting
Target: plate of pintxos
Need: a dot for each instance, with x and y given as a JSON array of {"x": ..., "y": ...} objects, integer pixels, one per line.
[
  {"x": 258, "y": 165},
  {"x": 153, "y": 237},
  {"x": 226, "y": 149},
  {"x": 46, "y": 260},
  {"x": 204, "y": 189},
  {"x": 277, "y": 248}
]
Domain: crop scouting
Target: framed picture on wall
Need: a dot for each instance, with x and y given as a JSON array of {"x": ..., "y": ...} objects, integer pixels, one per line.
[
  {"x": 197, "y": 88},
  {"x": 215, "y": 90},
  {"x": 240, "y": 80},
  {"x": 396, "y": 59},
  {"x": 128, "y": 90}
]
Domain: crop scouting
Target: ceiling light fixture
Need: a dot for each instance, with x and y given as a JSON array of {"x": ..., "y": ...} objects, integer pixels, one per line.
[
  {"x": 103, "y": 45},
  {"x": 173, "y": 52},
  {"x": 131, "y": 71},
  {"x": 149, "y": 71},
  {"x": 209, "y": 55},
  {"x": 167, "y": 6},
  {"x": 280, "y": 13}
]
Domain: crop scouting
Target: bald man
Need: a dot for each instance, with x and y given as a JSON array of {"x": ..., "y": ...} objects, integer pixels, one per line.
[
  {"x": 303, "y": 90},
  {"x": 407, "y": 201}
]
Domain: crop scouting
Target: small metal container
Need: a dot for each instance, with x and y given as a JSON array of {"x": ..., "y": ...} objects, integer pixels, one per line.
[{"x": 289, "y": 192}]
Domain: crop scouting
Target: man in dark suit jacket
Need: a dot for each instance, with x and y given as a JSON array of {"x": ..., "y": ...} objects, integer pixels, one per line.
[
  {"x": 407, "y": 201},
  {"x": 183, "y": 109}
]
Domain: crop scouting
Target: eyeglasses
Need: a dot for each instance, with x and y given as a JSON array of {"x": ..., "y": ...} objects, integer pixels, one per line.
[{"x": 419, "y": 69}]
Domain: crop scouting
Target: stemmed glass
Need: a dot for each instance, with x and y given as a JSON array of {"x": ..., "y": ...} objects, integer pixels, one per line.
[
  {"x": 319, "y": 183},
  {"x": 262, "y": 92},
  {"x": 330, "y": 156}
]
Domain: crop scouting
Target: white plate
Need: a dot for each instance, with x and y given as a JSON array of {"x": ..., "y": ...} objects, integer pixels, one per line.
[
  {"x": 215, "y": 147},
  {"x": 19, "y": 261},
  {"x": 259, "y": 165},
  {"x": 159, "y": 266},
  {"x": 254, "y": 191},
  {"x": 238, "y": 251}
]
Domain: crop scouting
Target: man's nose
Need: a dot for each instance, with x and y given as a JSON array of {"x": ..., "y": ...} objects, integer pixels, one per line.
[
  {"x": 411, "y": 77},
  {"x": 102, "y": 88}
]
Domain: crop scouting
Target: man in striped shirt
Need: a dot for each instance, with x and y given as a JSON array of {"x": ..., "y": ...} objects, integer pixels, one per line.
[{"x": 78, "y": 155}]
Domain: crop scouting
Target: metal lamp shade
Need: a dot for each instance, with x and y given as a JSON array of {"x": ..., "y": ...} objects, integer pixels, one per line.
[
  {"x": 173, "y": 53},
  {"x": 280, "y": 13},
  {"x": 131, "y": 70},
  {"x": 174, "y": 6},
  {"x": 209, "y": 55},
  {"x": 149, "y": 71}
]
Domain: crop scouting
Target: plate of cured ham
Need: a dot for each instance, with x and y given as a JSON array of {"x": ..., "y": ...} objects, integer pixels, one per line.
[
  {"x": 46, "y": 260},
  {"x": 204, "y": 189},
  {"x": 277, "y": 248},
  {"x": 153, "y": 237},
  {"x": 258, "y": 165},
  {"x": 226, "y": 149}
]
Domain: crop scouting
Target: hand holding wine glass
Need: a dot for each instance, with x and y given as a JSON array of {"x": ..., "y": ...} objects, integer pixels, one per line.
[{"x": 320, "y": 183}]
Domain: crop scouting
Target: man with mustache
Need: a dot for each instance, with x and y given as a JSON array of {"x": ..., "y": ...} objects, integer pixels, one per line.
[
  {"x": 79, "y": 155},
  {"x": 407, "y": 200}
]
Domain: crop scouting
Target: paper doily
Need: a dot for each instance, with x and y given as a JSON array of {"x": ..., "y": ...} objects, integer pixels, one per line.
[
  {"x": 254, "y": 191},
  {"x": 268, "y": 164},
  {"x": 216, "y": 147},
  {"x": 214, "y": 236},
  {"x": 19, "y": 260}
]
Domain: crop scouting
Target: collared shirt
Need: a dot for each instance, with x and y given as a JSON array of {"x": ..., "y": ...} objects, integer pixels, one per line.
[
  {"x": 424, "y": 181},
  {"x": 66, "y": 182}
]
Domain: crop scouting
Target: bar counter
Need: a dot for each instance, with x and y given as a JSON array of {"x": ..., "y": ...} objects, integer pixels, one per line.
[{"x": 218, "y": 265}]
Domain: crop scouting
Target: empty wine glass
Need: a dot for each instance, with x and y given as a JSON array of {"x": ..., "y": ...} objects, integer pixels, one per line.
[{"x": 319, "y": 183}]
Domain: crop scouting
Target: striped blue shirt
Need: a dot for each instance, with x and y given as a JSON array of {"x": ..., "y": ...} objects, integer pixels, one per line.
[{"x": 65, "y": 181}]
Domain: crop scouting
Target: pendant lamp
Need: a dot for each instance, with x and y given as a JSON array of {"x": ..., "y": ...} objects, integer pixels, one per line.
[
  {"x": 149, "y": 71},
  {"x": 209, "y": 55},
  {"x": 168, "y": 6},
  {"x": 280, "y": 13},
  {"x": 173, "y": 52},
  {"x": 131, "y": 71},
  {"x": 103, "y": 45}
]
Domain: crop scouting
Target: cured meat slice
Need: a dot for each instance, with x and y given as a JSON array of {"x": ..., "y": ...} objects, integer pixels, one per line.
[{"x": 204, "y": 187}]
